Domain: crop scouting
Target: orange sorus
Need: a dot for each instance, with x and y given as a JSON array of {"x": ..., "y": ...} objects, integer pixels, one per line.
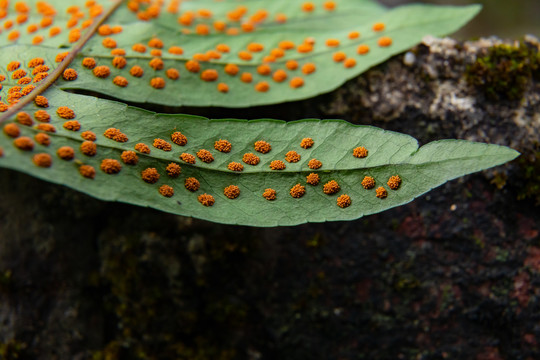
[
  {"x": 104, "y": 30},
  {"x": 173, "y": 170},
  {"x": 291, "y": 65},
  {"x": 136, "y": 71},
  {"x": 89, "y": 135},
  {"x": 246, "y": 77},
  {"x": 75, "y": 35},
  {"x": 42, "y": 160},
  {"x": 332, "y": 42},
  {"x": 384, "y": 41},
  {"x": 313, "y": 179},
  {"x": 24, "y": 143},
  {"x": 42, "y": 139},
  {"x": 119, "y": 62},
  {"x": 17, "y": 74},
  {"x": 331, "y": 187},
  {"x": 308, "y": 7},
  {"x": 296, "y": 82},
  {"x": 193, "y": 66},
  {"x": 277, "y": 165},
  {"x": 247, "y": 27},
  {"x": 255, "y": 47},
  {"x": 269, "y": 194},
  {"x": 281, "y": 18},
  {"x": 178, "y": 138},
  {"x": 129, "y": 157},
  {"x": 120, "y": 81},
  {"x": 262, "y": 86},
  {"x": 314, "y": 164},
  {"x": 394, "y": 182},
  {"x": 40, "y": 76},
  {"x": 231, "y": 69},
  {"x": 286, "y": 45},
  {"x": 220, "y": 26},
  {"x": 24, "y": 118},
  {"x": 206, "y": 200},
  {"x": 354, "y": 35},
  {"x": 46, "y": 127},
  {"x": 118, "y": 52},
  {"x": 223, "y": 48},
  {"x": 297, "y": 191},
  {"x": 87, "y": 171},
  {"x": 344, "y": 201},
  {"x": 162, "y": 145},
  {"x": 41, "y": 101},
  {"x": 262, "y": 146},
  {"x": 157, "y": 83},
  {"x": 309, "y": 68},
  {"x": 156, "y": 64},
  {"x": 116, "y": 135},
  {"x": 166, "y": 190},
  {"x": 102, "y": 71},
  {"x": 349, "y": 63},
  {"x": 362, "y": 49},
  {"x": 172, "y": 74},
  {"x": 13, "y": 35},
  {"x": 42, "y": 115},
  {"x": 109, "y": 43},
  {"x": 24, "y": 80},
  {"x": 223, "y": 146},
  {"x": 140, "y": 48},
  {"x": 306, "y": 143},
  {"x": 13, "y": 65},
  {"x": 251, "y": 159},
  {"x": 142, "y": 148},
  {"x": 156, "y": 52},
  {"x": 235, "y": 166},
  {"x": 72, "y": 125},
  {"x": 55, "y": 30},
  {"x": 232, "y": 191},
  {"x": 88, "y": 62},
  {"x": 65, "y": 112},
  {"x": 192, "y": 184},
  {"x": 205, "y": 156},
  {"x": 88, "y": 148},
  {"x": 329, "y": 5},
  {"x": 378, "y": 26},
  {"x": 360, "y": 152},
  {"x": 292, "y": 156},
  {"x": 339, "y": 56},
  {"x": 209, "y": 75},
  {"x": 110, "y": 166},
  {"x": 202, "y": 29},
  {"x": 187, "y": 158},
  {"x": 36, "y": 62},
  {"x": 368, "y": 182},
  {"x": 279, "y": 75},
  {"x": 66, "y": 153},
  {"x": 150, "y": 175},
  {"x": 69, "y": 74},
  {"x": 264, "y": 69},
  {"x": 304, "y": 48},
  {"x": 381, "y": 192},
  {"x": 245, "y": 55}
]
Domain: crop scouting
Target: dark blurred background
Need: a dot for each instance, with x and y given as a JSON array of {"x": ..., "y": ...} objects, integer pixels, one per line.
[{"x": 503, "y": 18}]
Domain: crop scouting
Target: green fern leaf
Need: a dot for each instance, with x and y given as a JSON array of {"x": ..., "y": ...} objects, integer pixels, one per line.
[{"x": 303, "y": 171}]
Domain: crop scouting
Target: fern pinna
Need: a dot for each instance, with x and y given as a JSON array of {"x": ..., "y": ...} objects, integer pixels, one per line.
[{"x": 208, "y": 53}]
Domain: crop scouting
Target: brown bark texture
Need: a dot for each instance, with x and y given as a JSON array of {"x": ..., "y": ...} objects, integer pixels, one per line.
[{"x": 452, "y": 275}]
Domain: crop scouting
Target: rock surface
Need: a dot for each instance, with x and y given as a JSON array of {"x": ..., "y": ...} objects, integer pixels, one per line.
[{"x": 453, "y": 275}]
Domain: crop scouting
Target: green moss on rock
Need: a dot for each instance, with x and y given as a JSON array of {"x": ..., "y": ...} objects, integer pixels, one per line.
[{"x": 505, "y": 71}]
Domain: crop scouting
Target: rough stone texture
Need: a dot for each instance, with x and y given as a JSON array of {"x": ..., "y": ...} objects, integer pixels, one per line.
[{"x": 453, "y": 275}]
